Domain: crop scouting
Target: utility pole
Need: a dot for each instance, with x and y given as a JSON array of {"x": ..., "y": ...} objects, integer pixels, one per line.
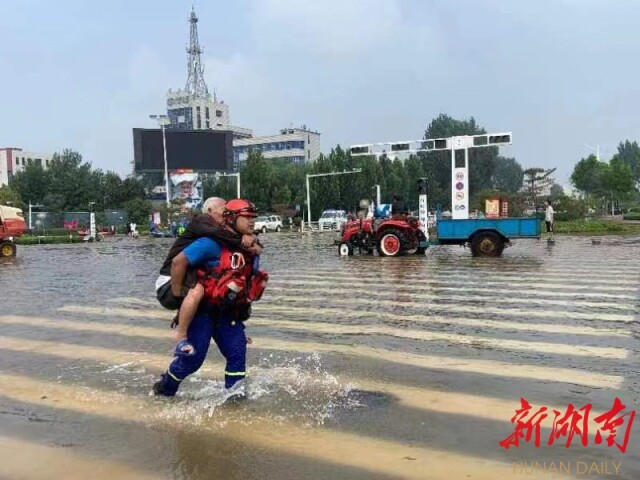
[{"x": 163, "y": 120}]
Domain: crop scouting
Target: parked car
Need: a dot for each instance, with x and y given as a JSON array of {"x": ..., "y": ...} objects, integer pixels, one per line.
[
  {"x": 266, "y": 223},
  {"x": 332, "y": 220}
]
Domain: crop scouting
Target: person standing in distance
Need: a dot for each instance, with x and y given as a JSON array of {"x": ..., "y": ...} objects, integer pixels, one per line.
[{"x": 549, "y": 221}]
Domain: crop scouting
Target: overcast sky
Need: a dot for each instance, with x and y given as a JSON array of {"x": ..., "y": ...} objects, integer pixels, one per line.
[{"x": 559, "y": 74}]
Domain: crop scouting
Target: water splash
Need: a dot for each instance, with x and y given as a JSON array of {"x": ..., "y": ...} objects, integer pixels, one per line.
[{"x": 292, "y": 389}]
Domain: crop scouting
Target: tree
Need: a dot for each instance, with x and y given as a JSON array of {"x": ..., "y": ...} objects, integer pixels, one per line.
[
  {"x": 629, "y": 153},
  {"x": 537, "y": 180},
  {"x": 588, "y": 175},
  {"x": 223, "y": 187},
  {"x": 31, "y": 184},
  {"x": 138, "y": 210},
  {"x": 508, "y": 175},
  {"x": 607, "y": 182},
  {"x": 8, "y": 196},
  {"x": 257, "y": 180},
  {"x": 414, "y": 170},
  {"x": 132, "y": 188},
  {"x": 556, "y": 191},
  {"x": 71, "y": 182},
  {"x": 618, "y": 181},
  {"x": 437, "y": 165},
  {"x": 568, "y": 208}
]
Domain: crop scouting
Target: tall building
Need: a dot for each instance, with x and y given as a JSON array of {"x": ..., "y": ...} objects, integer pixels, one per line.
[
  {"x": 14, "y": 160},
  {"x": 194, "y": 108}
]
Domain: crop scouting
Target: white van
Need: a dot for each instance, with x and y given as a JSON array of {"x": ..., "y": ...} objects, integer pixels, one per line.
[
  {"x": 265, "y": 223},
  {"x": 332, "y": 220}
]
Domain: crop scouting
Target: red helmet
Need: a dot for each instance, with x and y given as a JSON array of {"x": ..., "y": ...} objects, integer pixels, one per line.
[{"x": 240, "y": 208}]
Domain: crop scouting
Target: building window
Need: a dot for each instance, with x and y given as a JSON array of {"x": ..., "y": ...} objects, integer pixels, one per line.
[
  {"x": 38, "y": 161},
  {"x": 218, "y": 113},
  {"x": 206, "y": 113},
  {"x": 309, "y": 154},
  {"x": 199, "y": 118}
]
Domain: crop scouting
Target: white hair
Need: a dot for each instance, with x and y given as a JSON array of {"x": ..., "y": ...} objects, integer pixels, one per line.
[{"x": 211, "y": 203}]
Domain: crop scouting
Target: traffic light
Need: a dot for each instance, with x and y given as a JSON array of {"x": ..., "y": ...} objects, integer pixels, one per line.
[
  {"x": 480, "y": 140},
  {"x": 359, "y": 150},
  {"x": 422, "y": 186},
  {"x": 499, "y": 139},
  {"x": 440, "y": 144},
  {"x": 400, "y": 147}
]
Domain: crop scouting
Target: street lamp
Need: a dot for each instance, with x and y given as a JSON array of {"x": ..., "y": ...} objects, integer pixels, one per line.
[
  {"x": 162, "y": 121},
  {"x": 310, "y": 175},
  {"x": 237, "y": 175}
]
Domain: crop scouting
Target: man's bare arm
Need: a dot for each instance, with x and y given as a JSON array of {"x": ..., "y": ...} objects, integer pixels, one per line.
[{"x": 179, "y": 266}]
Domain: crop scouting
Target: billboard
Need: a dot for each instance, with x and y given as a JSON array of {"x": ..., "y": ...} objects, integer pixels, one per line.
[
  {"x": 197, "y": 150},
  {"x": 187, "y": 187}
]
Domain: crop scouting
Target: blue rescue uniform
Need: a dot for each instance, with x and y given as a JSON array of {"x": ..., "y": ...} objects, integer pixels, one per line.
[{"x": 226, "y": 331}]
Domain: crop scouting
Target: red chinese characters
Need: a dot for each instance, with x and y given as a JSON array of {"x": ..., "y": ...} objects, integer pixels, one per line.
[
  {"x": 573, "y": 422},
  {"x": 523, "y": 424},
  {"x": 570, "y": 424},
  {"x": 611, "y": 421}
]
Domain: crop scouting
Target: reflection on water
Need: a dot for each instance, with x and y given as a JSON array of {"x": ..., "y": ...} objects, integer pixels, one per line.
[{"x": 361, "y": 367}]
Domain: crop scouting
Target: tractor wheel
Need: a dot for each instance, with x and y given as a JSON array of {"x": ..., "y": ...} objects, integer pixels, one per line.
[
  {"x": 7, "y": 249},
  {"x": 278, "y": 228},
  {"x": 421, "y": 250},
  {"x": 487, "y": 244},
  {"x": 345, "y": 249},
  {"x": 264, "y": 229},
  {"x": 390, "y": 244}
]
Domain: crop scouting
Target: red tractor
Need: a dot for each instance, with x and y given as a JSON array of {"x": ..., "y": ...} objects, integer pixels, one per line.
[
  {"x": 398, "y": 235},
  {"x": 12, "y": 225}
]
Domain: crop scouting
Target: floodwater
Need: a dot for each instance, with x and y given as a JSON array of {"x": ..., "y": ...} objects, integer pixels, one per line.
[{"x": 360, "y": 367}]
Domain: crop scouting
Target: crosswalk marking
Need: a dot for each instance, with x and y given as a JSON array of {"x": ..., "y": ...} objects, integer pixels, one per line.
[
  {"x": 379, "y": 457},
  {"x": 159, "y": 362},
  {"x": 455, "y": 309},
  {"x": 419, "y": 288},
  {"x": 333, "y": 328},
  {"x": 357, "y": 296},
  {"x": 573, "y": 282},
  {"x": 55, "y": 459}
]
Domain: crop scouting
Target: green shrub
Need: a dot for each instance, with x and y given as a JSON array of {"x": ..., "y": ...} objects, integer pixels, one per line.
[
  {"x": 592, "y": 226},
  {"x": 35, "y": 240},
  {"x": 632, "y": 216}
]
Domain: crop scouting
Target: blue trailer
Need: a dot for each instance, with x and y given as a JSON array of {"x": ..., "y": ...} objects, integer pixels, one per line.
[{"x": 486, "y": 236}]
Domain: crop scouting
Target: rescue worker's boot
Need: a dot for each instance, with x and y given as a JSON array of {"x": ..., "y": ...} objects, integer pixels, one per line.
[
  {"x": 237, "y": 392},
  {"x": 166, "y": 386}
]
